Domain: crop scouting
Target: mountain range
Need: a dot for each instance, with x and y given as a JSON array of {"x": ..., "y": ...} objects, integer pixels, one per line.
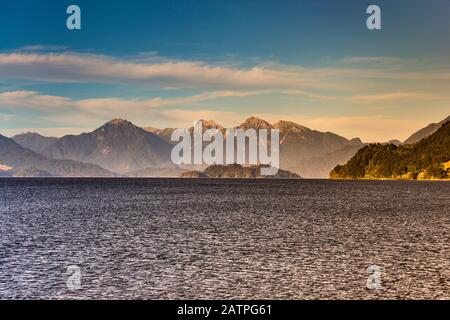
[
  {"x": 34, "y": 141},
  {"x": 16, "y": 160},
  {"x": 300, "y": 147},
  {"x": 425, "y": 132},
  {"x": 119, "y": 148}
]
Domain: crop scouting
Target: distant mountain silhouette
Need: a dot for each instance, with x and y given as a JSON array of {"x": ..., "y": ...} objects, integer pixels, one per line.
[
  {"x": 394, "y": 142},
  {"x": 16, "y": 160},
  {"x": 312, "y": 153},
  {"x": 320, "y": 166},
  {"x": 34, "y": 141},
  {"x": 425, "y": 132},
  {"x": 118, "y": 146}
]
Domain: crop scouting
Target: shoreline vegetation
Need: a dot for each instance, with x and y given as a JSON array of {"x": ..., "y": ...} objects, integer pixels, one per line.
[
  {"x": 237, "y": 171},
  {"x": 428, "y": 159},
  {"x": 390, "y": 179}
]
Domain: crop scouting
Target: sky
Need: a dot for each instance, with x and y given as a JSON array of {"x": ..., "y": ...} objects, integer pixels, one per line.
[{"x": 168, "y": 63}]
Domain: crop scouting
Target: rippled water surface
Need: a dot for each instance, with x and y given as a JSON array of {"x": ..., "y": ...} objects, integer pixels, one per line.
[{"x": 259, "y": 239}]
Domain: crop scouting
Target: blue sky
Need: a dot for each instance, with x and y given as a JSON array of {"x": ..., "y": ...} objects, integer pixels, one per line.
[{"x": 165, "y": 63}]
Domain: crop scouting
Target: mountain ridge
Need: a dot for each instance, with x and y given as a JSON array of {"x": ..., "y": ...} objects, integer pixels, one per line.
[
  {"x": 298, "y": 145},
  {"x": 118, "y": 146},
  {"x": 34, "y": 141},
  {"x": 18, "y": 159},
  {"x": 425, "y": 132}
]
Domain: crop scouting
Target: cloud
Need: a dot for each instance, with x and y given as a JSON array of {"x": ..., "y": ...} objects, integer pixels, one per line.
[
  {"x": 33, "y": 100},
  {"x": 88, "y": 113},
  {"x": 358, "y": 60},
  {"x": 306, "y": 94},
  {"x": 6, "y": 117},
  {"x": 71, "y": 67},
  {"x": 335, "y": 88},
  {"x": 42, "y": 47},
  {"x": 153, "y": 71},
  {"x": 38, "y": 101},
  {"x": 394, "y": 97}
]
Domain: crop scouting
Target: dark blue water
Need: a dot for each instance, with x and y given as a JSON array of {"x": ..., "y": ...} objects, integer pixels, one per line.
[{"x": 259, "y": 239}]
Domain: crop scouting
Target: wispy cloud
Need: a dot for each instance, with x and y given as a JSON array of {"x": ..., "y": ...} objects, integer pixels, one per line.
[
  {"x": 334, "y": 88},
  {"x": 394, "y": 97},
  {"x": 6, "y": 117},
  {"x": 67, "y": 112},
  {"x": 43, "y": 47},
  {"x": 33, "y": 100},
  {"x": 368, "y": 60},
  {"x": 71, "y": 67},
  {"x": 41, "y": 102},
  {"x": 306, "y": 94},
  {"x": 150, "y": 69}
]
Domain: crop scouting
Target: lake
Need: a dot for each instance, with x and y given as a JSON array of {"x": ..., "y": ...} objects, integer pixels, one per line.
[{"x": 224, "y": 239}]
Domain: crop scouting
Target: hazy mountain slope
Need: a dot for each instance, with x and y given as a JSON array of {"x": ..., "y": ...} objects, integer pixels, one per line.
[
  {"x": 427, "y": 158},
  {"x": 118, "y": 146},
  {"x": 22, "y": 160},
  {"x": 322, "y": 165},
  {"x": 311, "y": 153},
  {"x": 156, "y": 172},
  {"x": 425, "y": 132},
  {"x": 307, "y": 152},
  {"x": 31, "y": 172},
  {"x": 34, "y": 141}
]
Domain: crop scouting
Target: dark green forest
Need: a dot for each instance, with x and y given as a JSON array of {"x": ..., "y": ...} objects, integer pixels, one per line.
[
  {"x": 238, "y": 171},
  {"x": 427, "y": 159}
]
